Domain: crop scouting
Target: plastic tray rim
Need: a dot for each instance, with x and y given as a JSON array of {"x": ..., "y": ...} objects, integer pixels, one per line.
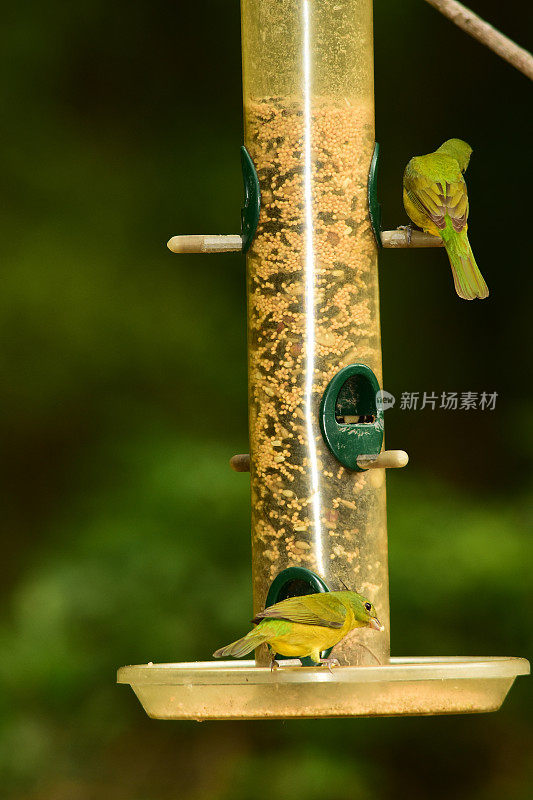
[{"x": 398, "y": 669}]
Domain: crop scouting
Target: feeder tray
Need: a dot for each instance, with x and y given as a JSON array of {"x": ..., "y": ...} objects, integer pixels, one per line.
[{"x": 207, "y": 690}]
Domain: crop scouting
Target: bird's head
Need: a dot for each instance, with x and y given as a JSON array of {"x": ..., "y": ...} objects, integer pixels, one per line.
[
  {"x": 364, "y": 612},
  {"x": 457, "y": 149}
]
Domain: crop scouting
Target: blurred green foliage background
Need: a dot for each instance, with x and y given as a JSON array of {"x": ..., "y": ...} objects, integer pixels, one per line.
[{"x": 126, "y": 536}]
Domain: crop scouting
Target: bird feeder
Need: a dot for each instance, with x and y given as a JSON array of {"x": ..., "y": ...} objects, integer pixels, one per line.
[{"x": 311, "y": 234}]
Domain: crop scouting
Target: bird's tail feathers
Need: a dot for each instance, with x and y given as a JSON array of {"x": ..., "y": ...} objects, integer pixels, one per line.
[
  {"x": 242, "y": 646},
  {"x": 469, "y": 282}
]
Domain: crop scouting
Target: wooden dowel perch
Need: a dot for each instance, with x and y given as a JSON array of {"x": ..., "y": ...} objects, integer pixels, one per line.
[
  {"x": 469, "y": 22},
  {"x": 204, "y": 243},
  {"x": 403, "y": 237},
  {"x": 388, "y": 459},
  {"x": 240, "y": 463}
]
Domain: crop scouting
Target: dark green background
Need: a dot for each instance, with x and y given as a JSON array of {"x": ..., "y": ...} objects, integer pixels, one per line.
[{"x": 125, "y": 535}]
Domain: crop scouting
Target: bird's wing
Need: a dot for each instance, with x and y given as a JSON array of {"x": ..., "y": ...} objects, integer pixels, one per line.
[
  {"x": 323, "y": 610},
  {"x": 438, "y": 198}
]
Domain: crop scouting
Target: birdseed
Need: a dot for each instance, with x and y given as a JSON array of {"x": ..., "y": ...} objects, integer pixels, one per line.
[{"x": 313, "y": 308}]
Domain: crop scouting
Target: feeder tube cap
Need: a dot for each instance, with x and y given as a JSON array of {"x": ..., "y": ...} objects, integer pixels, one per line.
[{"x": 388, "y": 459}]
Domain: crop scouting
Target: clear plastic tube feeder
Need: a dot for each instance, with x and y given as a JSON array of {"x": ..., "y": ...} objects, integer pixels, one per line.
[{"x": 310, "y": 231}]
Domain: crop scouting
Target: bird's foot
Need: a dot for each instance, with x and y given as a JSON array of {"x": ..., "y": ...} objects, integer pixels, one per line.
[
  {"x": 409, "y": 230},
  {"x": 329, "y": 663}
]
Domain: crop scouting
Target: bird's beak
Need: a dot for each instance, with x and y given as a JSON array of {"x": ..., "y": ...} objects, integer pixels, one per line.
[{"x": 376, "y": 624}]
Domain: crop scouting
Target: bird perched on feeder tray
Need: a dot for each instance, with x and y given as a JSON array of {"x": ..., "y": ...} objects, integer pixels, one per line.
[
  {"x": 435, "y": 198},
  {"x": 306, "y": 626}
]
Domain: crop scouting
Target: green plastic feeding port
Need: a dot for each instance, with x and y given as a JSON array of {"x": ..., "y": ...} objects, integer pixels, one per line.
[
  {"x": 351, "y": 423},
  {"x": 373, "y": 203},
  {"x": 252, "y": 200},
  {"x": 294, "y": 582}
]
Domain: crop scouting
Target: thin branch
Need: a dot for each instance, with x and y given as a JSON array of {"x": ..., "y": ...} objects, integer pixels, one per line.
[{"x": 485, "y": 33}]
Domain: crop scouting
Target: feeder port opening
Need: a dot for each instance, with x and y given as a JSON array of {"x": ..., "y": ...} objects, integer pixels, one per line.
[{"x": 356, "y": 401}]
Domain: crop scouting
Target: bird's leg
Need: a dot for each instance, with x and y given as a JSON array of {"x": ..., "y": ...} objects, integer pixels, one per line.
[
  {"x": 273, "y": 663},
  {"x": 329, "y": 662}
]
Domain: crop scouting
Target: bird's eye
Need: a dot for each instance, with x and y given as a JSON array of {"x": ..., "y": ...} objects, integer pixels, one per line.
[{"x": 368, "y": 606}]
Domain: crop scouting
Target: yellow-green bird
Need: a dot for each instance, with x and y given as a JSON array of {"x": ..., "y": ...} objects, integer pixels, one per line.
[
  {"x": 435, "y": 198},
  {"x": 305, "y": 626}
]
